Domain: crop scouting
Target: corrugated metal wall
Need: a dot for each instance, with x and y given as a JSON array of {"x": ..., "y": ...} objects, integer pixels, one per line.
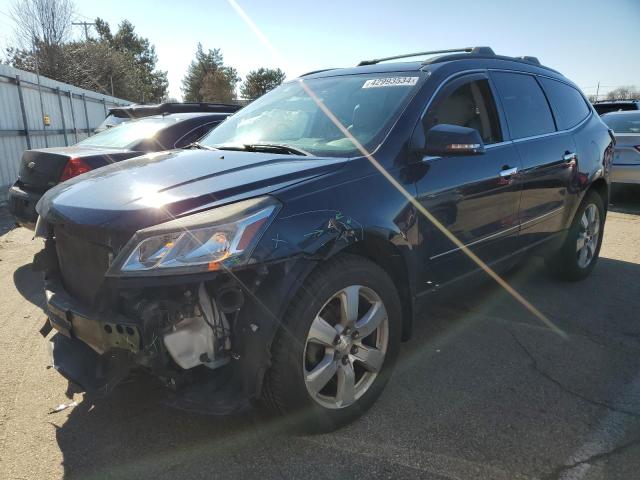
[{"x": 74, "y": 113}]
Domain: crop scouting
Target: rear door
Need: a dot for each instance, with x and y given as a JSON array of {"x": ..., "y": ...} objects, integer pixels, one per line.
[
  {"x": 548, "y": 156},
  {"x": 470, "y": 195}
]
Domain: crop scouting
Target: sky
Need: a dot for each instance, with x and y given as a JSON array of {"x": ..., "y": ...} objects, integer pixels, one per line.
[{"x": 588, "y": 41}]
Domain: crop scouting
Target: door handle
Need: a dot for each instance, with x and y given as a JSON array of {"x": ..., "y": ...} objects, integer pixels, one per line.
[
  {"x": 570, "y": 157},
  {"x": 507, "y": 172}
]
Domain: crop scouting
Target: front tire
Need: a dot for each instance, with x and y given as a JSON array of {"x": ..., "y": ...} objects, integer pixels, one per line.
[
  {"x": 579, "y": 253},
  {"x": 337, "y": 345}
]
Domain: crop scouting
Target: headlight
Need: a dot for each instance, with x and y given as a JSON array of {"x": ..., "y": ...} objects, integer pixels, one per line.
[{"x": 207, "y": 241}]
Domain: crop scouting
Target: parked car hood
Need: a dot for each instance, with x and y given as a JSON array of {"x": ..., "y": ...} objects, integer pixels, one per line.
[{"x": 156, "y": 187}]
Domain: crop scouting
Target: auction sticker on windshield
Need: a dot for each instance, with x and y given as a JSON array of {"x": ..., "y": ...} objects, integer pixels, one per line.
[{"x": 390, "y": 82}]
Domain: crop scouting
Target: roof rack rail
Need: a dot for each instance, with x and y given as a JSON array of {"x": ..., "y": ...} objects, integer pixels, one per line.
[
  {"x": 317, "y": 71},
  {"x": 529, "y": 59},
  {"x": 475, "y": 50}
]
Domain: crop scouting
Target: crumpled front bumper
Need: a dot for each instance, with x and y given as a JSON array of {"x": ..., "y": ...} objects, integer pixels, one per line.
[
  {"x": 100, "y": 331},
  {"x": 96, "y": 351},
  {"x": 80, "y": 364},
  {"x": 92, "y": 352}
]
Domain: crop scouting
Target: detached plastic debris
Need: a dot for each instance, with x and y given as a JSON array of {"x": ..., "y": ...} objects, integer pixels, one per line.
[{"x": 63, "y": 406}]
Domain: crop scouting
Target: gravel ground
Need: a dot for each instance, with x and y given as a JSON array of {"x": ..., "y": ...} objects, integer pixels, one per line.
[{"x": 482, "y": 391}]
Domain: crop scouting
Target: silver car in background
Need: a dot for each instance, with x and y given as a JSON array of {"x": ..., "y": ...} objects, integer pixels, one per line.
[{"x": 626, "y": 158}]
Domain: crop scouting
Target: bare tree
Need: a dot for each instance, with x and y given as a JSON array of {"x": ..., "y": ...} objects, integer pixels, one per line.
[
  {"x": 41, "y": 29},
  {"x": 45, "y": 22},
  {"x": 623, "y": 93}
]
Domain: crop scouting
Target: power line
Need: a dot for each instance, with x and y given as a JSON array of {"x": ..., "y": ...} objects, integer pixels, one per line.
[
  {"x": 84, "y": 16},
  {"x": 86, "y": 26}
]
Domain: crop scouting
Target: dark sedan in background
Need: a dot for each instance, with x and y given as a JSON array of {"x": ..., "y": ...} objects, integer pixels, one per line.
[{"x": 43, "y": 168}]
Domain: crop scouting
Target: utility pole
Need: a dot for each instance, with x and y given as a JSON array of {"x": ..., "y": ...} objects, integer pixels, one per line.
[
  {"x": 35, "y": 54},
  {"x": 86, "y": 26},
  {"x": 597, "y": 91}
]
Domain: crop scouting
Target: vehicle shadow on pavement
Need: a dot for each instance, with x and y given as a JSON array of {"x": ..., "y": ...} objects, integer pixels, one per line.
[{"x": 30, "y": 285}]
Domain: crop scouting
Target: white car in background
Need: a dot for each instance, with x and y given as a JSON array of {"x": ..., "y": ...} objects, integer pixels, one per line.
[{"x": 626, "y": 157}]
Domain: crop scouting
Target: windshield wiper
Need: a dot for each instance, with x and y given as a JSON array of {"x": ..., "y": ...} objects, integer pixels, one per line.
[
  {"x": 199, "y": 146},
  {"x": 265, "y": 147}
]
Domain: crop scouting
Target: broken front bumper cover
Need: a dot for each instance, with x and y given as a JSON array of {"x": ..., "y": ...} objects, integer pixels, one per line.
[
  {"x": 98, "y": 350},
  {"x": 100, "y": 331},
  {"x": 92, "y": 352}
]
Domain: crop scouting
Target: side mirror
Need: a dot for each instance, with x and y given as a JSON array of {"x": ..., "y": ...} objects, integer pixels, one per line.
[{"x": 445, "y": 139}]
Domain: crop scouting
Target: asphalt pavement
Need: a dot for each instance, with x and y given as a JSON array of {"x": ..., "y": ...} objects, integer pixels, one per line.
[{"x": 482, "y": 391}]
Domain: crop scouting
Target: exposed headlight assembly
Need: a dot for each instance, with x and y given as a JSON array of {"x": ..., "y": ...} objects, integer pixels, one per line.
[{"x": 206, "y": 241}]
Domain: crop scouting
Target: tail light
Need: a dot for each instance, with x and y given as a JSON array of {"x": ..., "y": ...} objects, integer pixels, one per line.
[{"x": 73, "y": 168}]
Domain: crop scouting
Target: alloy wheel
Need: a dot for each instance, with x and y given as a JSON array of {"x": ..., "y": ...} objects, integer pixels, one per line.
[
  {"x": 588, "y": 235},
  {"x": 345, "y": 347}
]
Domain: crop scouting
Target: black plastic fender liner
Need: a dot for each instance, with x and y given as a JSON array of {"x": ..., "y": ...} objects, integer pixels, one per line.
[
  {"x": 259, "y": 320},
  {"x": 82, "y": 365}
]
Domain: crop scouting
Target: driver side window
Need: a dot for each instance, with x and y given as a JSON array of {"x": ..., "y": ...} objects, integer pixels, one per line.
[{"x": 470, "y": 105}]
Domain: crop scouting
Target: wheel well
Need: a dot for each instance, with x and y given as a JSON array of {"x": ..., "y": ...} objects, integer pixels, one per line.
[
  {"x": 387, "y": 256},
  {"x": 600, "y": 186}
]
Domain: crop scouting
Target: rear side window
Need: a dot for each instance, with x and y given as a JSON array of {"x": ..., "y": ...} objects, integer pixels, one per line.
[
  {"x": 470, "y": 105},
  {"x": 524, "y": 104},
  {"x": 569, "y": 106}
]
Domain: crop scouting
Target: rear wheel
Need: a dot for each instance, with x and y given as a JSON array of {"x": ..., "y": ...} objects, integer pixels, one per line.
[
  {"x": 337, "y": 345},
  {"x": 579, "y": 253}
]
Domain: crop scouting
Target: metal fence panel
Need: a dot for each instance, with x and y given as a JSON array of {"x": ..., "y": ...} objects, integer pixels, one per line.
[{"x": 73, "y": 113}]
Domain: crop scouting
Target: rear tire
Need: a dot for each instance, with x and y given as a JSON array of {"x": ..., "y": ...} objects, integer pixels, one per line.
[
  {"x": 337, "y": 345},
  {"x": 579, "y": 253}
]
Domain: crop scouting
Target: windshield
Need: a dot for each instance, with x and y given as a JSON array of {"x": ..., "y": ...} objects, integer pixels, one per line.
[
  {"x": 365, "y": 104},
  {"x": 126, "y": 134},
  {"x": 623, "y": 122}
]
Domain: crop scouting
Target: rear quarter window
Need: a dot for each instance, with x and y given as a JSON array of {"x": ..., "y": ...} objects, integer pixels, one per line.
[
  {"x": 569, "y": 106},
  {"x": 524, "y": 104}
]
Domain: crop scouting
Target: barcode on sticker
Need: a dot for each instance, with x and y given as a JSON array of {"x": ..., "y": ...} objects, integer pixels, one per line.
[{"x": 390, "y": 82}]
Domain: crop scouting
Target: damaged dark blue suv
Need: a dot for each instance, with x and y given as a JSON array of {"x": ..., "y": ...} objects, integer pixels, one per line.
[{"x": 286, "y": 256}]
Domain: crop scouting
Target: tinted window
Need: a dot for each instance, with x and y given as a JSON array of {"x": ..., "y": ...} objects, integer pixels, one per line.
[
  {"x": 623, "y": 122},
  {"x": 470, "y": 105},
  {"x": 568, "y": 103},
  {"x": 524, "y": 105}
]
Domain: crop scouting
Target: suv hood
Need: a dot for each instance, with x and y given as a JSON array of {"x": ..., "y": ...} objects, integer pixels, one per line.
[{"x": 154, "y": 188}]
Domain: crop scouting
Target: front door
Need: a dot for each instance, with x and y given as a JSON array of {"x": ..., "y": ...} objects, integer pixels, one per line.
[{"x": 475, "y": 197}]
